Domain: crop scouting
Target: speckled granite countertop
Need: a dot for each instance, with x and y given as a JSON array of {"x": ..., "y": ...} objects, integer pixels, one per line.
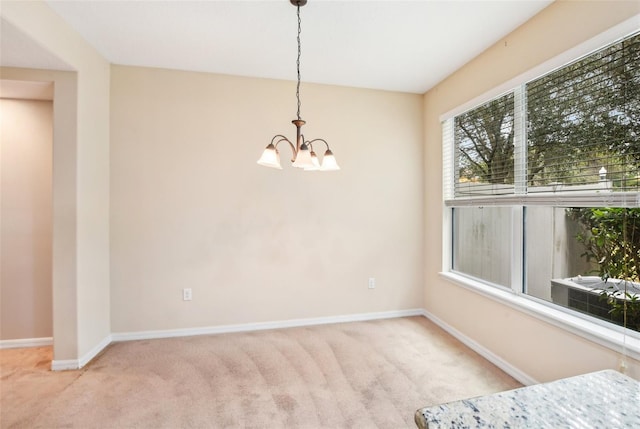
[{"x": 604, "y": 399}]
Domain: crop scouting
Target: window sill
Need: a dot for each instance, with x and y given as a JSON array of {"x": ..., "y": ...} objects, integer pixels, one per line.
[{"x": 614, "y": 339}]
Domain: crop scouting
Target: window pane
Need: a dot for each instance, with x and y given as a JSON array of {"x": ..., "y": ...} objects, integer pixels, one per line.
[
  {"x": 484, "y": 149},
  {"x": 584, "y": 123},
  {"x": 482, "y": 243},
  {"x": 569, "y": 251}
]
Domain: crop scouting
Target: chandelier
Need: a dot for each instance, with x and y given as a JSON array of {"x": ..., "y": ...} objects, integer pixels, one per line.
[{"x": 303, "y": 153}]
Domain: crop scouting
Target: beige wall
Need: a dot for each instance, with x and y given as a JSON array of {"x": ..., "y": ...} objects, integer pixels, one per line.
[
  {"x": 80, "y": 181},
  {"x": 536, "y": 348},
  {"x": 26, "y": 136},
  {"x": 191, "y": 208}
]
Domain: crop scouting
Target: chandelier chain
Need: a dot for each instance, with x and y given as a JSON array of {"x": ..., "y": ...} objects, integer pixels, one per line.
[{"x": 298, "y": 62}]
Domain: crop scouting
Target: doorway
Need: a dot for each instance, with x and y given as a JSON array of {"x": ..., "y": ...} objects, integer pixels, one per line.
[{"x": 26, "y": 220}]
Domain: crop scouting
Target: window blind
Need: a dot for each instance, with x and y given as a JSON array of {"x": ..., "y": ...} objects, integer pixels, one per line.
[
  {"x": 484, "y": 149},
  {"x": 570, "y": 136},
  {"x": 583, "y": 123}
]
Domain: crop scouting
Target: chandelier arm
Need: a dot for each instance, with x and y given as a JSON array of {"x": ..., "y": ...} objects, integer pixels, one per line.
[
  {"x": 275, "y": 137},
  {"x": 319, "y": 140},
  {"x": 283, "y": 138}
]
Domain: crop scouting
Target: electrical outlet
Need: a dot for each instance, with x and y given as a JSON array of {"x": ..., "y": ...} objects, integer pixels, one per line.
[
  {"x": 372, "y": 283},
  {"x": 187, "y": 294}
]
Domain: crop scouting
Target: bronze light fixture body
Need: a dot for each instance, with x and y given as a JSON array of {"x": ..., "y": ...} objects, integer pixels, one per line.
[{"x": 303, "y": 153}]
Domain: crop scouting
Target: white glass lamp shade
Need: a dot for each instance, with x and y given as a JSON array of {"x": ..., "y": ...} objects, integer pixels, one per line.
[
  {"x": 270, "y": 157},
  {"x": 303, "y": 158},
  {"x": 329, "y": 162},
  {"x": 314, "y": 161}
]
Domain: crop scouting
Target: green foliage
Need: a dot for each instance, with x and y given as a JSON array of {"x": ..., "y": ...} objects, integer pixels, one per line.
[
  {"x": 611, "y": 237},
  {"x": 626, "y": 310},
  {"x": 584, "y": 116},
  {"x": 580, "y": 118},
  {"x": 485, "y": 142}
]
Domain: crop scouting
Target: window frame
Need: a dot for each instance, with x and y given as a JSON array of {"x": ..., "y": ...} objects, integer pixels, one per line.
[{"x": 514, "y": 296}]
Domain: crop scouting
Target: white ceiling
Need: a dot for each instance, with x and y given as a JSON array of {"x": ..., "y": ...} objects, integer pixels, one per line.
[
  {"x": 18, "y": 50},
  {"x": 406, "y": 46}
]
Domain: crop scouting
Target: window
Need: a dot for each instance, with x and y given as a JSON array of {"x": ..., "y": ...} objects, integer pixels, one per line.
[
  {"x": 542, "y": 186},
  {"x": 482, "y": 243}
]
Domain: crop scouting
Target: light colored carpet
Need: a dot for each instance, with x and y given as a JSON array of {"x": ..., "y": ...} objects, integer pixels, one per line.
[{"x": 350, "y": 375}]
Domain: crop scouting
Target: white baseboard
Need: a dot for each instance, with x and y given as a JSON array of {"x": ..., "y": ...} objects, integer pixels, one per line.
[
  {"x": 70, "y": 364},
  {"x": 26, "y": 342},
  {"x": 482, "y": 351},
  {"x": 247, "y": 327},
  {"x": 62, "y": 365},
  {"x": 94, "y": 351}
]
